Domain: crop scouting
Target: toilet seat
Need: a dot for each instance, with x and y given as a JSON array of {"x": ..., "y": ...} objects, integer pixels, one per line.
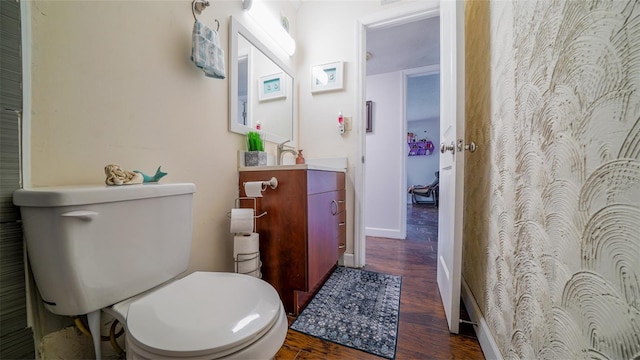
[{"x": 204, "y": 315}]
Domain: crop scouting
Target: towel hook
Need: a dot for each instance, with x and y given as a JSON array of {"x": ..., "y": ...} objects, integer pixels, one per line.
[{"x": 198, "y": 6}]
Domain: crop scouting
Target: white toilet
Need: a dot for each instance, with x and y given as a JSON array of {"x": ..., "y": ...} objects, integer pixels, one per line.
[{"x": 119, "y": 249}]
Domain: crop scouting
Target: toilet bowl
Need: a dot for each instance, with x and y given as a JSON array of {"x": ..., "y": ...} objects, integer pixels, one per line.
[
  {"x": 75, "y": 235},
  {"x": 205, "y": 315}
]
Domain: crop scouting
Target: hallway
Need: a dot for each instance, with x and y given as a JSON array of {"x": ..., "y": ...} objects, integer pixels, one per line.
[{"x": 422, "y": 330}]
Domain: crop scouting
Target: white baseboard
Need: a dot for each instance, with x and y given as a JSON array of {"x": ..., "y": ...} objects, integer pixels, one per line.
[
  {"x": 347, "y": 260},
  {"x": 487, "y": 343},
  {"x": 384, "y": 233}
]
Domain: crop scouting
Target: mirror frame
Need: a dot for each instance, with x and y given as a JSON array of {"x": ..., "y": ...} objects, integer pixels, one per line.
[{"x": 235, "y": 29}]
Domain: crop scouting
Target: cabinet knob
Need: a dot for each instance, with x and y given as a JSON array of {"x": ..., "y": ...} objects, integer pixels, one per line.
[{"x": 334, "y": 207}]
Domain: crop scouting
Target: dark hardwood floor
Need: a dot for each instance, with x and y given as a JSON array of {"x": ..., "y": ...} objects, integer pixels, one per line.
[{"x": 422, "y": 330}]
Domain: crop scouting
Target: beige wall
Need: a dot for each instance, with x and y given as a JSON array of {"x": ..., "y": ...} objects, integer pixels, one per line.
[
  {"x": 328, "y": 36},
  {"x": 112, "y": 83},
  {"x": 327, "y": 33},
  {"x": 552, "y": 241}
]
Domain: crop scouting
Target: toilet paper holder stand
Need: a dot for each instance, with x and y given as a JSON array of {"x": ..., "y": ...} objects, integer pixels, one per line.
[
  {"x": 272, "y": 183},
  {"x": 237, "y": 205},
  {"x": 252, "y": 259}
]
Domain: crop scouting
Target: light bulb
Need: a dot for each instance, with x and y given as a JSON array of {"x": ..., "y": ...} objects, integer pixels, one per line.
[{"x": 259, "y": 12}]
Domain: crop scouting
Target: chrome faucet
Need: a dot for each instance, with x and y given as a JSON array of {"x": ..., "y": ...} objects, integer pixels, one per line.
[{"x": 282, "y": 151}]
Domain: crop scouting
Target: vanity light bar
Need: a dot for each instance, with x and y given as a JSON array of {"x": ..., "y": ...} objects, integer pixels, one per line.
[{"x": 260, "y": 14}]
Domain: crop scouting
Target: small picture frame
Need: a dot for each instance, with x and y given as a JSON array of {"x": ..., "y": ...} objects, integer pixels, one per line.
[
  {"x": 272, "y": 87},
  {"x": 369, "y": 116},
  {"x": 327, "y": 77}
]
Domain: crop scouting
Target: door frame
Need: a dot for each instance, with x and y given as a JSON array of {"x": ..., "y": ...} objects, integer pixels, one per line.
[{"x": 391, "y": 17}]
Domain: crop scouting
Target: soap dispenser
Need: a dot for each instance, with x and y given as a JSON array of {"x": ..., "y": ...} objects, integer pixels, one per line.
[{"x": 300, "y": 158}]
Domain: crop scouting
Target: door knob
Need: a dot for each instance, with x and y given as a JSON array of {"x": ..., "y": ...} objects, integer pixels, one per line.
[{"x": 444, "y": 148}]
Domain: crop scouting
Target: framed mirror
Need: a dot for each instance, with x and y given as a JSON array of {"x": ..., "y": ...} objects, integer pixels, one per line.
[{"x": 260, "y": 88}]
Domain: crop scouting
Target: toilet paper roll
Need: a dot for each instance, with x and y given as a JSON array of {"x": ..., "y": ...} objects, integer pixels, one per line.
[
  {"x": 241, "y": 221},
  {"x": 254, "y": 189},
  {"x": 246, "y": 253}
]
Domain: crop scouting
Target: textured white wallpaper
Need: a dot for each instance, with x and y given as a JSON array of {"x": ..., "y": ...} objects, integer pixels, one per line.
[{"x": 552, "y": 218}]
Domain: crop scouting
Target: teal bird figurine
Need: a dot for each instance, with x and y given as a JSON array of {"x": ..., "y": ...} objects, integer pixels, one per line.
[{"x": 155, "y": 178}]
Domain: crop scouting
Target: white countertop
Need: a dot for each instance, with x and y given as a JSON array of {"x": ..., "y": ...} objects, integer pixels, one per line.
[{"x": 292, "y": 167}]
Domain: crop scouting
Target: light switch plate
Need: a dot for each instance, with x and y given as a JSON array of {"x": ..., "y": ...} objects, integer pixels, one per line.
[{"x": 347, "y": 123}]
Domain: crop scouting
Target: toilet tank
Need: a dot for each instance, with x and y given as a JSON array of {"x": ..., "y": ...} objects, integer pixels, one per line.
[{"x": 92, "y": 246}]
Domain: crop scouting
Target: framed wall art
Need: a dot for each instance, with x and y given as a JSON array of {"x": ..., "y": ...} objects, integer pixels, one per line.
[
  {"x": 327, "y": 77},
  {"x": 271, "y": 87}
]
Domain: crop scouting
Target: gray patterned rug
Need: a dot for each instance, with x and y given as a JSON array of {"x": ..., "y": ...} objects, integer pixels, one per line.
[{"x": 355, "y": 308}]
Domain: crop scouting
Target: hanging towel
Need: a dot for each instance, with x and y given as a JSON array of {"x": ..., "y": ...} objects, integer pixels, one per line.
[{"x": 206, "y": 52}]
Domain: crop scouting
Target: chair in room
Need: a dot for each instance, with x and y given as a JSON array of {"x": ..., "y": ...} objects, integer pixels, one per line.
[{"x": 429, "y": 193}]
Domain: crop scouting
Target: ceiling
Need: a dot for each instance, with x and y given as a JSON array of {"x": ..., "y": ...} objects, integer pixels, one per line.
[
  {"x": 404, "y": 46},
  {"x": 409, "y": 46}
]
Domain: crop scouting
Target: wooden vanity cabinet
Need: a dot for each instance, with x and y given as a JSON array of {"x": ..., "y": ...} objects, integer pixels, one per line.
[{"x": 303, "y": 233}]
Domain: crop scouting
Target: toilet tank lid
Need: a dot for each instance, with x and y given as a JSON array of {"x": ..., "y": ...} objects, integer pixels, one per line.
[{"x": 95, "y": 194}]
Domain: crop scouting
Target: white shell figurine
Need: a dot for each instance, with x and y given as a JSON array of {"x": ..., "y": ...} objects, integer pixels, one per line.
[{"x": 117, "y": 176}]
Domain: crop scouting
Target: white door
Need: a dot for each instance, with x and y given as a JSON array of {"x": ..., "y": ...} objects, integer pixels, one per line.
[{"x": 451, "y": 158}]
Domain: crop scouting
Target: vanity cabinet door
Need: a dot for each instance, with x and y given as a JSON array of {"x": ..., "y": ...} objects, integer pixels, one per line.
[{"x": 322, "y": 243}]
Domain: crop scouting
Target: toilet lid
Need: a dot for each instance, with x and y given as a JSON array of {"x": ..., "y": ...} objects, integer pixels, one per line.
[{"x": 204, "y": 312}]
